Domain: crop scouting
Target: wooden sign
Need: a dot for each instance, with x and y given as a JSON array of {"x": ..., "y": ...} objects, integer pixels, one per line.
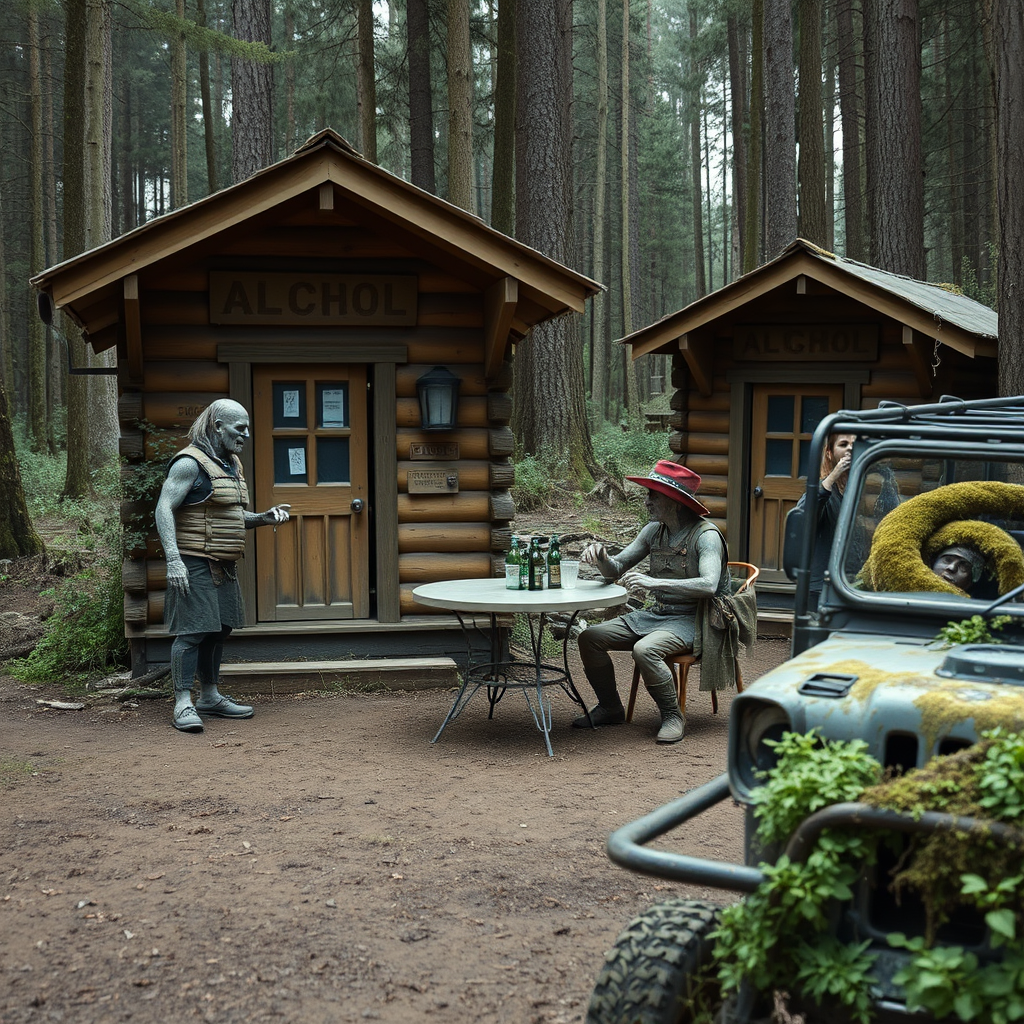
[
  {"x": 425, "y": 451},
  {"x": 821, "y": 343},
  {"x": 432, "y": 481},
  {"x": 317, "y": 299}
]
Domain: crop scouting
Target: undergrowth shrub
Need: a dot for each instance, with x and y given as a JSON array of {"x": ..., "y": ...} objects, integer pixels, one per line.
[{"x": 629, "y": 453}]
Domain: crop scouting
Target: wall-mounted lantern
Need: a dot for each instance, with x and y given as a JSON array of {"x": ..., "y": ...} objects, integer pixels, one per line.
[{"x": 438, "y": 392}]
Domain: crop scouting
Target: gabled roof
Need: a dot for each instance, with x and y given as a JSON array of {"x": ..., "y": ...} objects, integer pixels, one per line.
[
  {"x": 324, "y": 158},
  {"x": 933, "y": 310}
]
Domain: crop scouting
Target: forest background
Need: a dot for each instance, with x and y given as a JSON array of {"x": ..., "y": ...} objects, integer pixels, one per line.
[{"x": 663, "y": 147}]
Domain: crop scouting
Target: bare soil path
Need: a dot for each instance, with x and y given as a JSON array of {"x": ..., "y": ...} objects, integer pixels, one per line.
[{"x": 324, "y": 861}]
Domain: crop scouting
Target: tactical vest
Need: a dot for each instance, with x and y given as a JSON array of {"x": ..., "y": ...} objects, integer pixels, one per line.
[
  {"x": 214, "y": 528},
  {"x": 681, "y": 562}
]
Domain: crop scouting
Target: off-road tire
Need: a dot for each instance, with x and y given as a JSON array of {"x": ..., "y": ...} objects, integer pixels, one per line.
[{"x": 648, "y": 975}]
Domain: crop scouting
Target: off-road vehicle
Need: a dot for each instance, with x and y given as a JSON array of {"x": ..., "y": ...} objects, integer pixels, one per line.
[{"x": 866, "y": 664}]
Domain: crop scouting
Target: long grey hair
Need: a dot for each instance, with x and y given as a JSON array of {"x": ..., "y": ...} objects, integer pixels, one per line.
[{"x": 204, "y": 427}]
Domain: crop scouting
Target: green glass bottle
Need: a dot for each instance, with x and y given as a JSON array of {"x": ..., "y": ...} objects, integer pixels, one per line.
[
  {"x": 512, "y": 566},
  {"x": 554, "y": 564},
  {"x": 524, "y": 566},
  {"x": 536, "y": 576}
]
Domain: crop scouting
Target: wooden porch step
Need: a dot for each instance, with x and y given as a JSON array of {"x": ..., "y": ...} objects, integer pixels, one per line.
[{"x": 339, "y": 676}]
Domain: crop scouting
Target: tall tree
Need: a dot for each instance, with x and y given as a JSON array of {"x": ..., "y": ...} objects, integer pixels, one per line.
[
  {"x": 251, "y": 99},
  {"x": 755, "y": 171},
  {"x": 503, "y": 184},
  {"x": 367, "y": 91},
  {"x": 421, "y": 100},
  {"x": 811, "y": 165},
  {"x": 210, "y": 115},
  {"x": 17, "y": 534},
  {"x": 780, "y": 128},
  {"x": 849, "y": 115},
  {"x": 738, "y": 101},
  {"x": 37, "y": 251},
  {"x": 460, "y": 107},
  {"x": 549, "y": 411},
  {"x": 1009, "y": 45},
  {"x": 179, "y": 102},
  {"x": 601, "y": 335},
  {"x": 627, "y": 221},
  {"x": 897, "y": 228},
  {"x": 696, "y": 191}
]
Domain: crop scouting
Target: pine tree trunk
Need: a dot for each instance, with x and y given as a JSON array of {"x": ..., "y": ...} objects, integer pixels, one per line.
[
  {"x": 179, "y": 101},
  {"x": 210, "y": 114},
  {"x": 503, "y": 184},
  {"x": 18, "y": 537},
  {"x": 367, "y": 90},
  {"x": 626, "y": 239},
  {"x": 849, "y": 115},
  {"x": 1008, "y": 46},
  {"x": 421, "y": 100},
  {"x": 811, "y": 167},
  {"x": 460, "y": 107},
  {"x": 752, "y": 237},
  {"x": 697, "y": 205},
  {"x": 738, "y": 96},
  {"x": 898, "y": 208},
  {"x": 251, "y": 99},
  {"x": 37, "y": 419},
  {"x": 780, "y": 123},
  {"x": 599, "y": 303},
  {"x": 549, "y": 410}
]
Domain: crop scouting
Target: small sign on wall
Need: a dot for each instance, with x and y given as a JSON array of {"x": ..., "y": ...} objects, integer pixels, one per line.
[
  {"x": 425, "y": 451},
  {"x": 433, "y": 481}
]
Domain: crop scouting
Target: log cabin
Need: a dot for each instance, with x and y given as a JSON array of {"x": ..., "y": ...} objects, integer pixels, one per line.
[
  {"x": 324, "y": 294},
  {"x": 759, "y": 362}
]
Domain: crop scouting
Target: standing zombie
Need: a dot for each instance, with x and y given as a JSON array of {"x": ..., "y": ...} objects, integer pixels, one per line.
[{"x": 201, "y": 519}]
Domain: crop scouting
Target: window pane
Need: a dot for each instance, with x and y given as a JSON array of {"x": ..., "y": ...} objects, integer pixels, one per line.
[
  {"x": 780, "y": 415},
  {"x": 778, "y": 457},
  {"x": 332, "y": 403},
  {"x": 332, "y": 460},
  {"x": 289, "y": 403},
  {"x": 805, "y": 449},
  {"x": 813, "y": 410},
  {"x": 290, "y": 460}
]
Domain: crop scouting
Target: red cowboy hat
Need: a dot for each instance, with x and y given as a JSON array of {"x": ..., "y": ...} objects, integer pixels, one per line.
[{"x": 676, "y": 481}]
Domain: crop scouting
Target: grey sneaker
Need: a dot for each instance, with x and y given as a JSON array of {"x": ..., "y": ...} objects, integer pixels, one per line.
[
  {"x": 224, "y": 707},
  {"x": 673, "y": 725},
  {"x": 186, "y": 719}
]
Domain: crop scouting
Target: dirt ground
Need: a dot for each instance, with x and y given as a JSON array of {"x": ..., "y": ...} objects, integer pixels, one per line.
[{"x": 324, "y": 861}]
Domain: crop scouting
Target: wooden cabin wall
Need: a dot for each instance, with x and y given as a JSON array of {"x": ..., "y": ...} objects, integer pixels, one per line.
[
  {"x": 700, "y": 424},
  {"x": 441, "y": 536}
]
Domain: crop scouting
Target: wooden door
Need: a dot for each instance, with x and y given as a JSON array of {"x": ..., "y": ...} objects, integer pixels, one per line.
[
  {"x": 310, "y": 450},
  {"x": 783, "y": 419}
]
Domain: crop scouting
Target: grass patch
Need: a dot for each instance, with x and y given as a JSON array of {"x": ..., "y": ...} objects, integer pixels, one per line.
[{"x": 13, "y": 770}]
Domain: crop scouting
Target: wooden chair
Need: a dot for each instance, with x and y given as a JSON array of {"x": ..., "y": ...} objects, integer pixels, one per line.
[{"x": 680, "y": 664}]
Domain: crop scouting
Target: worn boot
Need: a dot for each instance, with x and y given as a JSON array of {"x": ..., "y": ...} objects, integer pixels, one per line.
[
  {"x": 673, "y": 725},
  {"x": 609, "y": 709}
]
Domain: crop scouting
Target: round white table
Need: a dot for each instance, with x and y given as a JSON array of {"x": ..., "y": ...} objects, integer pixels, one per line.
[{"x": 501, "y": 672}]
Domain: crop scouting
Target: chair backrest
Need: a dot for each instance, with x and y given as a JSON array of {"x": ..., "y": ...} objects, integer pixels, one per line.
[{"x": 748, "y": 571}]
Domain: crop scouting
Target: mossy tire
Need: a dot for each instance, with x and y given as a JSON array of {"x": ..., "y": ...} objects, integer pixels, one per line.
[{"x": 652, "y": 973}]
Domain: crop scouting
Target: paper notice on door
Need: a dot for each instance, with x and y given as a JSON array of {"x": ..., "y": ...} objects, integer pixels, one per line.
[
  {"x": 290, "y": 404},
  {"x": 333, "y": 410},
  {"x": 297, "y": 461}
]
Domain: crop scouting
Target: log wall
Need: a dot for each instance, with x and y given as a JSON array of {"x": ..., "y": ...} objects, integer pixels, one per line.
[{"x": 441, "y": 536}]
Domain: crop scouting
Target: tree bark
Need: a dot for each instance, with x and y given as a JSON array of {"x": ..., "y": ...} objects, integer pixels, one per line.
[
  {"x": 811, "y": 166},
  {"x": 599, "y": 303},
  {"x": 697, "y": 191},
  {"x": 421, "y": 100},
  {"x": 549, "y": 411},
  {"x": 460, "y": 107},
  {"x": 37, "y": 418},
  {"x": 210, "y": 115},
  {"x": 626, "y": 221},
  {"x": 179, "y": 102},
  {"x": 780, "y": 134},
  {"x": 752, "y": 236},
  {"x": 849, "y": 115},
  {"x": 251, "y": 99},
  {"x": 898, "y": 189},
  {"x": 18, "y": 537},
  {"x": 503, "y": 182},
  {"x": 738, "y": 107},
  {"x": 367, "y": 90},
  {"x": 1008, "y": 45}
]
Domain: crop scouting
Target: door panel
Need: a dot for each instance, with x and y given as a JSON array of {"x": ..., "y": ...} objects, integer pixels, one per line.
[
  {"x": 311, "y": 452},
  {"x": 783, "y": 419}
]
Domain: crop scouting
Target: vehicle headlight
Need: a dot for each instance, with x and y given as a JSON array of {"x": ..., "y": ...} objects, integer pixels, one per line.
[{"x": 753, "y": 723}]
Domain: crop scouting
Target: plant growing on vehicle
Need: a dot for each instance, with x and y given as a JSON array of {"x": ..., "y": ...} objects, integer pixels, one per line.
[{"x": 975, "y": 630}]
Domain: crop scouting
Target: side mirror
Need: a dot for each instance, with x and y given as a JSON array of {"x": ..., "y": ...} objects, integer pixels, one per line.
[{"x": 793, "y": 542}]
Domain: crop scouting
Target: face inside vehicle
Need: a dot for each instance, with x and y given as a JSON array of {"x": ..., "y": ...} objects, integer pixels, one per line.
[{"x": 952, "y": 527}]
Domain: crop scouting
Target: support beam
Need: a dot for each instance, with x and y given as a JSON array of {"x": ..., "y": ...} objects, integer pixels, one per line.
[
  {"x": 133, "y": 328},
  {"x": 499, "y": 311},
  {"x": 919, "y": 351},
  {"x": 699, "y": 360}
]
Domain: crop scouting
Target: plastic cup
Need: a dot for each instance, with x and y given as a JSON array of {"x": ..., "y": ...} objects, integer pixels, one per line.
[
  {"x": 570, "y": 571},
  {"x": 512, "y": 577}
]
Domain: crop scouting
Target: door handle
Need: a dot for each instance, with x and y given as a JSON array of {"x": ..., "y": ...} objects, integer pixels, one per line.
[
  {"x": 758, "y": 492},
  {"x": 357, "y": 505}
]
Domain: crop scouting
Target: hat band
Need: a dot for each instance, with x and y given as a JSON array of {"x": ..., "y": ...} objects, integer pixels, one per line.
[{"x": 672, "y": 483}]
